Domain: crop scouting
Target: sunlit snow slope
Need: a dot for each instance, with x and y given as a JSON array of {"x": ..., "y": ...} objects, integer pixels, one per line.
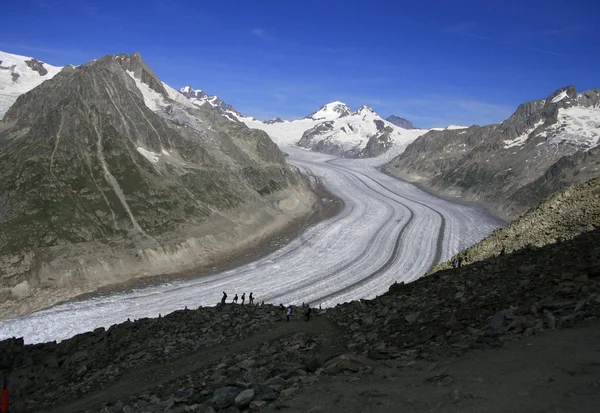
[
  {"x": 350, "y": 130},
  {"x": 17, "y": 77},
  {"x": 388, "y": 231}
]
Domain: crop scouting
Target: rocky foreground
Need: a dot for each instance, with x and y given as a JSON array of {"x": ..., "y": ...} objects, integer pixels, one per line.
[{"x": 239, "y": 358}]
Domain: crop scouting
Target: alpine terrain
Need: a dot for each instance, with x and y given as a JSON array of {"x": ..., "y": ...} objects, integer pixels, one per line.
[
  {"x": 546, "y": 145},
  {"x": 513, "y": 332},
  {"x": 399, "y": 121},
  {"x": 20, "y": 74},
  {"x": 108, "y": 174},
  {"x": 334, "y": 128}
]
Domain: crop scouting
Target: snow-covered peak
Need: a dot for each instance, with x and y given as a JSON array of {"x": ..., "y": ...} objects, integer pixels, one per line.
[
  {"x": 190, "y": 93},
  {"x": 20, "y": 74},
  {"x": 331, "y": 111}
]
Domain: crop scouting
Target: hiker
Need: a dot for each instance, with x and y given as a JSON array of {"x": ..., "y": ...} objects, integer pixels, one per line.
[
  {"x": 224, "y": 298},
  {"x": 454, "y": 263},
  {"x": 235, "y": 299},
  {"x": 503, "y": 251},
  {"x": 251, "y": 299},
  {"x": 288, "y": 313},
  {"x": 460, "y": 261},
  {"x": 243, "y": 298},
  {"x": 307, "y": 312}
]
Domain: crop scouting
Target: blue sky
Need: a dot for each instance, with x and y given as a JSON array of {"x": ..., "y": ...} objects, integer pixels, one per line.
[{"x": 433, "y": 62}]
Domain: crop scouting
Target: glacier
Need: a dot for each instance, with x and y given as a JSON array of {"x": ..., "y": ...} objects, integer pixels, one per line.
[{"x": 388, "y": 231}]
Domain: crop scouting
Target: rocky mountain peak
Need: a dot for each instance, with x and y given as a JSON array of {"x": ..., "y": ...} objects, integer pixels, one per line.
[
  {"x": 364, "y": 109},
  {"x": 192, "y": 93},
  {"x": 199, "y": 98},
  {"x": 141, "y": 71},
  {"x": 272, "y": 121},
  {"x": 90, "y": 154},
  {"x": 400, "y": 122},
  {"x": 543, "y": 146}
]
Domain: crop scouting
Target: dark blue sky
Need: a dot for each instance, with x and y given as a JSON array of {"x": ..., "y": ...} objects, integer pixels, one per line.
[{"x": 433, "y": 62}]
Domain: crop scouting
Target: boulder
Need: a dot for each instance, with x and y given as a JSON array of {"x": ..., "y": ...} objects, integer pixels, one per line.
[{"x": 244, "y": 398}]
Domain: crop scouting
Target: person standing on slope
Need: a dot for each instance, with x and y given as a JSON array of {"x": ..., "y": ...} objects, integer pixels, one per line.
[
  {"x": 251, "y": 299},
  {"x": 307, "y": 312},
  {"x": 288, "y": 313},
  {"x": 224, "y": 298},
  {"x": 235, "y": 299},
  {"x": 243, "y": 298}
]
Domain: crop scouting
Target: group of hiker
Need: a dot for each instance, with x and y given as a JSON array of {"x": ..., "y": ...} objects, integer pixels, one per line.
[
  {"x": 288, "y": 310},
  {"x": 235, "y": 299}
]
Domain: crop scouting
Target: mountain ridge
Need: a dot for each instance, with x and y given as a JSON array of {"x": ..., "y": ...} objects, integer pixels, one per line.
[
  {"x": 400, "y": 121},
  {"x": 106, "y": 177},
  {"x": 505, "y": 166}
]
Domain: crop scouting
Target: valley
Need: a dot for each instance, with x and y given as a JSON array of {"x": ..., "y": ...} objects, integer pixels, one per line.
[
  {"x": 453, "y": 267},
  {"x": 387, "y": 232}
]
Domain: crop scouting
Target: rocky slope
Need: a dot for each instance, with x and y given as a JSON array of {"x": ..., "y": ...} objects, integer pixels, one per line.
[
  {"x": 544, "y": 146},
  {"x": 239, "y": 358},
  {"x": 20, "y": 74},
  {"x": 108, "y": 174},
  {"x": 562, "y": 216},
  {"x": 399, "y": 121}
]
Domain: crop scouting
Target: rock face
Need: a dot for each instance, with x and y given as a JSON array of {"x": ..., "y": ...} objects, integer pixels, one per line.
[
  {"x": 544, "y": 146},
  {"x": 398, "y": 121},
  {"x": 199, "y": 98},
  {"x": 272, "y": 121},
  {"x": 37, "y": 66},
  {"x": 107, "y": 174}
]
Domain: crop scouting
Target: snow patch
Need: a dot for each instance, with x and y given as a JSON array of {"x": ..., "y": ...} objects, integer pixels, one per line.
[
  {"x": 451, "y": 127},
  {"x": 521, "y": 139},
  {"x": 559, "y": 97},
  {"x": 153, "y": 100},
  {"x": 578, "y": 126},
  {"x": 151, "y": 156}
]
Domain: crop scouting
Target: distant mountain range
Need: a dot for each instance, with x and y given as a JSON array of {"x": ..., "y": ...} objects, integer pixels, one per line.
[
  {"x": 544, "y": 146},
  {"x": 334, "y": 128}
]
